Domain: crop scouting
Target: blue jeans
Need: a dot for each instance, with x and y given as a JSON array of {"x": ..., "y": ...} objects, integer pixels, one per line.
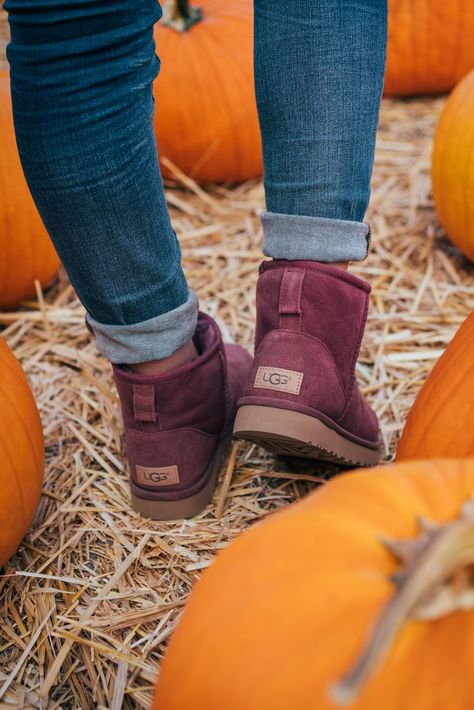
[{"x": 81, "y": 80}]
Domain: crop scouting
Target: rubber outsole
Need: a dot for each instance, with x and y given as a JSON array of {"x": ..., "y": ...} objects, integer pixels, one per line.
[
  {"x": 184, "y": 507},
  {"x": 288, "y": 433}
]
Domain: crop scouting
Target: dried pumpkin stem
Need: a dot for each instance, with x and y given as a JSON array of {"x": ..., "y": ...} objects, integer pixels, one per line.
[
  {"x": 436, "y": 579},
  {"x": 179, "y": 15}
]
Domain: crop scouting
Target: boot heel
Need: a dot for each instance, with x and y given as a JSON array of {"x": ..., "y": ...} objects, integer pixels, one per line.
[
  {"x": 289, "y": 433},
  {"x": 185, "y": 507},
  {"x": 176, "y": 509}
]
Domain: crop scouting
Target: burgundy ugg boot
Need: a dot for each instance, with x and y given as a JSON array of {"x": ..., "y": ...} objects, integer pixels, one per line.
[
  {"x": 177, "y": 425},
  {"x": 302, "y": 397}
]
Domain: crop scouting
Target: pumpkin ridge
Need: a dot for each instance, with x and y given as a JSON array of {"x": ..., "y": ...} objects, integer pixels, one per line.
[
  {"x": 4, "y": 214},
  {"x": 413, "y": 25},
  {"x": 220, "y": 42},
  {"x": 230, "y": 10},
  {"x": 38, "y": 464},
  {"x": 467, "y": 198},
  {"x": 439, "y": 420},
  {"x": 429, "y": 46},
  {"x": 21, "y": 453},
  {"x": 446, "y": 126},
  {"x": 211, "y": 133},
  {"x": 394, "y": 493},
  {"x": 26, "y": 393},
  {"x": 456, "y": 54},
  {"x": 455, "y": 378},
  {"x": 180, "y": 127},
  {"x": 26, "y": 252},
  {"x": 423, "y": 429},
  {"x": 197, "y": 54},
  {"x": 452, "y": 175},
  {"x": 462, "y": 167},
  {"x": 17, "y": 479}
]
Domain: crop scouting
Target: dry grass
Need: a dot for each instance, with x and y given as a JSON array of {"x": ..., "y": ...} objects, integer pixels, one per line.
[{"x": 94, "y": 592}]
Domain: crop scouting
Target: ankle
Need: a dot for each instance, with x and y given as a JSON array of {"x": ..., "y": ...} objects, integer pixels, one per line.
[
  {"x": 185, "y": 354},
  {"x": 344, "y": 265}
]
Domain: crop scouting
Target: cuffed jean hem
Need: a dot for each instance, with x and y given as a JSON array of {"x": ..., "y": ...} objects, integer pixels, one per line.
[
  {"x": 151, "y": 339},
  {"x": 287, "y": 236}
]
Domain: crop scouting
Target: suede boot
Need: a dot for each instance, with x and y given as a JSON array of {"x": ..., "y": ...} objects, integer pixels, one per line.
[
  {"x": 177, "y": 425},
  {"x": 302, "y": 398}
]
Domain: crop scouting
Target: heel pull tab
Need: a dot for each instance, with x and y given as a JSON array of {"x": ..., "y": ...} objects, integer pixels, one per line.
[
  {"x": 289, "y": 306},
  {"x": 144, "y": 403}
]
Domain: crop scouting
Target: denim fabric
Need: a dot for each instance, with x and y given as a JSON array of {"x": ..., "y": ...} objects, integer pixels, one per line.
[
  {"x": 319, "y": 67},
  {"x": 81, "y": 75},
  {"x": 287, "y": 236},
  {"x": 150, "y": 339},
  {"x": 81, "y": 79}
]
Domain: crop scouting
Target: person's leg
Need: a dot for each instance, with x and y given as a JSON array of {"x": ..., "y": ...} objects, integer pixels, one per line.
[
  {"x": 81, "y": 77},
  {"x": 81, "y": 80},
  {"x": 319, "y": 67}
]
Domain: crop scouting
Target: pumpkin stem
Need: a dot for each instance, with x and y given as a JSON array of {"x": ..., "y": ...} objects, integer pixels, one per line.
[
  {"x": 179, "y": 15},
  {"x": 436, "y": 578}
]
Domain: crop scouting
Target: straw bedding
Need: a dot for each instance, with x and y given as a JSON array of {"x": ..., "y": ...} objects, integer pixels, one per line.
[{"x": 93, "y": 594}]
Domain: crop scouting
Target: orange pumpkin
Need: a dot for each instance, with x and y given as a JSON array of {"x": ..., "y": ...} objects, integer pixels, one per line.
[
  {"x": 430, "y": 45},
  {"x": 453, "y": 167},
  {"x": 441, "y": 421},
  {"x": 319, "y": 606},
  {"x": 21, "y": 454},
  {"x": 26, "y": 252},
  {"x": 205, "y": 114}
]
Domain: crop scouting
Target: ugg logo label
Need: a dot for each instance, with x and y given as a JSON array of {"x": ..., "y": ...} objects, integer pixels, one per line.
[
  {"x": 275, "y": 378},
  {"x": 164, "y": 476}
]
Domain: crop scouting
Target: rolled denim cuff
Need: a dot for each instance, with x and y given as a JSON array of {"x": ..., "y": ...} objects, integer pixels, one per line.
[
  {"x": 151, "y": 339},
  {"x": 287, "y": 236}
]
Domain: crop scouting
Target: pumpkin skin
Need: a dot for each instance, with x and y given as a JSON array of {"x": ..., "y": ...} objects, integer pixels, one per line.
[
  {"x": 430, "y": 45},
  {"x": 26, "y": 252},
  {"x": 205, "y": 113},
  {"x": 440, "y": 423},
  {"x": 21, "y": 454},
  {"x": 453, "y": 167},
  {"x": 284, "y": 610}
]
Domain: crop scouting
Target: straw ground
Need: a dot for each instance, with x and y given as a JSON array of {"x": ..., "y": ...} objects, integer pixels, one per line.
[{"x": 94, "y": 592}]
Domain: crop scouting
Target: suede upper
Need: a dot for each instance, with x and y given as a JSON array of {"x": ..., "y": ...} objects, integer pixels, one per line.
[
  {"x": 174, "y": 421},
  {"x": 310, "y": 323}
]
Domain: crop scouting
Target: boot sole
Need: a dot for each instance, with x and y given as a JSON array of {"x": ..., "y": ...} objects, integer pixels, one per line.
[
  {"x": 288, "y": 433},
  {"x": 184, "y": 507}
]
